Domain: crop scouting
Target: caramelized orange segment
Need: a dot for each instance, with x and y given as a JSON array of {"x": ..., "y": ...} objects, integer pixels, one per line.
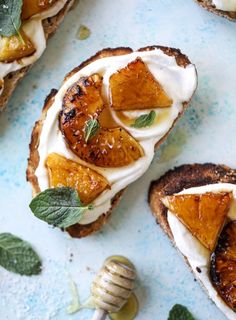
[
  {"x": 109, "y": 147},
  {"x": 32, "y": 7},
  {"x": 112, "y": 148},
  {"x": 203, "y": 214},
  {"x": 223, "y": 265},
  {"x": 67, "y": 173},
  {"x": 134, "y": 88},
  {"x": 1, "y": 85},
  {"x": 14, "y": 48}
]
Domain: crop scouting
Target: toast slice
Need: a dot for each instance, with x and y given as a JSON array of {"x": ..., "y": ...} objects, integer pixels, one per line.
[
  {"x": 183, "y": 177},
  {"x": 50, "y": 26},
  {"x": 178, "y": 179},
  {"x": 80, "y": 230},
  {"x": 208, "y": 5}
]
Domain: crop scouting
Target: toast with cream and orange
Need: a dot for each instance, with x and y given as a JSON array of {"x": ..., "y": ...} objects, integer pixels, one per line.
[{"x": 99, "y": 132}]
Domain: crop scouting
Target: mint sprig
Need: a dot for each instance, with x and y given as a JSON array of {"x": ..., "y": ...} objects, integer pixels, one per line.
[
  {"x": 18, "y": 256},
  {"x": 10, "y": 17},
  {"x": 179, "y": 312},
  {"x": 60, "y": 207},
  {"x": 145, "y": 120},
  {"x": 91, "y": 128}
]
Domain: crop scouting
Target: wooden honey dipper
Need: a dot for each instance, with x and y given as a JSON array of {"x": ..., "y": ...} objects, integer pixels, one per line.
[{"x": 112, "y": 287}]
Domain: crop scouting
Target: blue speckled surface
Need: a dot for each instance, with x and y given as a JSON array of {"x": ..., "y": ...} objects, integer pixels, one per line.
[{"x": 206, "y": 133}]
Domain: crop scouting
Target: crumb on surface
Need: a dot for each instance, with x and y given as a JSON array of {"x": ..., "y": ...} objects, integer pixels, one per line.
[{"x": 83, "y": 32}]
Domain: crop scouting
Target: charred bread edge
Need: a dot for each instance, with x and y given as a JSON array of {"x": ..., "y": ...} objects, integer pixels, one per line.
[
  {"x": 206, "y": 4},
  {"x": 79, "y": 230},
  {"x": 11, "y": 80},
  {"x": 184, "y": 177}
]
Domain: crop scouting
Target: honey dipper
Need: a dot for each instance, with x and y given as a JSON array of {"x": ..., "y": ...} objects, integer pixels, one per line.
[{"x": 112, "y": 287}]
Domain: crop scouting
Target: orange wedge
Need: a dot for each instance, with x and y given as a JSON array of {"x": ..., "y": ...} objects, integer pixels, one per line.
[
  {"x": 203, "y": 214},
  {"x": 135, "y": 88},
  {"x": 108, "y": 147},
  {"x": 223, "y": 265},
  {"x": 14, "y": 48},
  {"x": 32, "y": 7},
  {"x": 67, "y": 173}
]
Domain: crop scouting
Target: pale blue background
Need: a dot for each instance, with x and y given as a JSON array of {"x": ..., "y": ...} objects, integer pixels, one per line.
[{"x": 206, "y": 133}]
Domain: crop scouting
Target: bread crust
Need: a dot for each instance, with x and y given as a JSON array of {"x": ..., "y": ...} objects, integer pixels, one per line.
[
  {"x": 208, "y": 5},
  {"x": 183, "y": 177},
  {"x": 79, "y": 230},
  {"x": 11, "y": 80},
  {"x": 180, "y": 178}
]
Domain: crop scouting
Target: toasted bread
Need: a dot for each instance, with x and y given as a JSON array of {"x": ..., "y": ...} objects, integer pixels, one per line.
[
  {"x": 79, "y": 230},
  {"x": 208, "y": 5},
  {"x": 180, "y": 178},
  {"x": 183, "y": 177},
  {"x": 10, "y": 81}
]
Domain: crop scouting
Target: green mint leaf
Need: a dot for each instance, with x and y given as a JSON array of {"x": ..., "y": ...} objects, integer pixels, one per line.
[
  {"x": 18, "y": 256},
  {"x": 179, "y": 312},
  {"x": 60, "y": 207},
  {"x": 10, "y": 17},
  {"x": 91, "y": 128},
  {"x": 145, "y": 120}
]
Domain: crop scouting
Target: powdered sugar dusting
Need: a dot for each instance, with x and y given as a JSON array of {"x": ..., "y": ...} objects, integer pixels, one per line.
[{"x": 34, "y": 293}]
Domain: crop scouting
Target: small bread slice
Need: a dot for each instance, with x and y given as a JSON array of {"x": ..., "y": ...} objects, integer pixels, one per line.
[
  {"x": 50, "y": 26},
  {"x": 208, "y": 5},
  {"x": 183, "y": 177},
  {"x": 80, "y": 230},
  {"x": 180, "y": 178}
]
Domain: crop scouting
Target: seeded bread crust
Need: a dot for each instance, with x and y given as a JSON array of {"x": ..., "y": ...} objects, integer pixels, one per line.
[
  {"x": 79, "y": 230},
  {"x": 208, "y": 5},
  {"x": 50, "y": 26}
]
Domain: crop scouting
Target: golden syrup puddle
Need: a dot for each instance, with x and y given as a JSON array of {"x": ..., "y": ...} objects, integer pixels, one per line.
[
  {"x": 129, "y": 311},
  {"x": 106, "y": 120},
  {"x": 161, "y": 116}
]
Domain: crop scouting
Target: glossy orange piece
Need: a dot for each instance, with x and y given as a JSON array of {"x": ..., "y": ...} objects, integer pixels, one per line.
[
  {"x": 134, "y": 88},
  {"x": 14, "y": 48},
  {"x": 110, "y": 146},
  {"x": 203, "y": 214},
  {"x": 223, "y": 265},
  {"x": 32, "y": 7},
  {"x": 64, "y": 172}
]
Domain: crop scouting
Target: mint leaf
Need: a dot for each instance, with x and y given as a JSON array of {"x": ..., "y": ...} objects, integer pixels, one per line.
[
  {"x": 10, "y": 17},
  {"x": 91, "y": 128},
  {"x": 145, "y": 120},
  {"x": 60, "y": 207},
  {"x": 179, "y": 312},
  {"x": 18, "y": 256}
]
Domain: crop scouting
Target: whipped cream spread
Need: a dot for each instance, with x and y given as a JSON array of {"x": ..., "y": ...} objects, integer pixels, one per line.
[
  {"x": 225, "y": 5},
  {"x": 197, "y": 255},
  {"x": 33, "y": 28},
  {"x": 178, "y": 82}
]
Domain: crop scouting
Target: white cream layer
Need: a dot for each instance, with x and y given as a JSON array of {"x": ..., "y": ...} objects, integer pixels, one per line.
[
  {"x": 225, "y": 5},
  {"x": 197, "y": 255},
  {"x": 180, "y": 84},
  {"x": 34, "y": 30}
]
